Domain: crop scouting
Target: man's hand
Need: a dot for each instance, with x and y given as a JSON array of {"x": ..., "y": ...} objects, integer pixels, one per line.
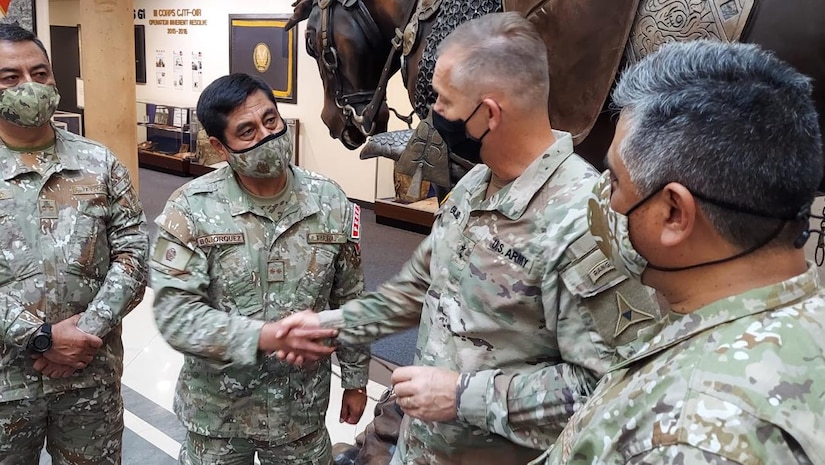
[
  {"x": 51, "y": 369},
  {"x": 295, "y": 342},
  {"x": 71, "y": 346},
  {"x": 426, "y": 393},
  {"x": 352, "y": 405}
]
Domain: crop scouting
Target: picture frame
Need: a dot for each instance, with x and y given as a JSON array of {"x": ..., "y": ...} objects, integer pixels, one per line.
[
  {"x": 294, "y": 127},
  {"x": 21, "y": 11},
  {"x": 261, "y": 46}
]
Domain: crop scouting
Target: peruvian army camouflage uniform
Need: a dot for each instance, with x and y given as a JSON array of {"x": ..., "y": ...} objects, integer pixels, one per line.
[
  {"x": 511, "y": 293},
  {"x": 73, "y": 241},
  {"x": 739, "y": 381},
  {"x": 221, "y": 268}
]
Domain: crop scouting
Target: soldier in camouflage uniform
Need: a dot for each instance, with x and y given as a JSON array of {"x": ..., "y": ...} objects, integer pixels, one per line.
[
  {"x": 518, "y": 311},
  {"x": 238, "y": 249},
  {"x": 715, "y": 163},
  {"x": 73, "y": 246}
]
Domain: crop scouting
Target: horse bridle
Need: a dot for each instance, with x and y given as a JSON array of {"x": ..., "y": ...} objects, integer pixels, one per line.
[{"x": 365, "y": 122}]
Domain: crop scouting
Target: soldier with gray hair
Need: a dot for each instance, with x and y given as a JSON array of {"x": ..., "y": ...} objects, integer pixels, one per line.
[
  {"x": 713, "y": 169},
  {"x": 73, "y": 246},
  {"x": 519, "y": 314}
]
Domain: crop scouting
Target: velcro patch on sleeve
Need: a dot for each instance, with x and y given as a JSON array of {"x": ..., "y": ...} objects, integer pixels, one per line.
[{"x": 171, "y": 255}]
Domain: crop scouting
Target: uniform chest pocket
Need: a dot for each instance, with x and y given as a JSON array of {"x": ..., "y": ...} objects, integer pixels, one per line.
[
  {"x": 313, "y": 288},
  {"x": 88, "y": 252},
  {"x": 241, "y": 282},
  {"x": 16, "y": 257},
  {"x": 498, "y": 277}
]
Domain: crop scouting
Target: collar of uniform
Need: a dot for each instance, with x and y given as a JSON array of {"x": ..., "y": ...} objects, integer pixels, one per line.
[
  {"x": 677, "y": 328},
  {"x": 11, "y": 166},
  {"x": 513, "y": 198},
  {"x": 240, "y": 203},
  {"x": 68, "y": 160}
]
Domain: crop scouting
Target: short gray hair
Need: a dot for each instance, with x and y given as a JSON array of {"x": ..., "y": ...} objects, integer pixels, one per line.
[
  {"x": 503, "y": 52},
  {"x": 730, "y": 122}
]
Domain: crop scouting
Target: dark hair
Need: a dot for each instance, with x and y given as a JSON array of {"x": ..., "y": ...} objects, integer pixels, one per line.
[
  {"x": 12, "y": 32},
  {"x": 730, "y": 122},
  {"x": 222, "y": 96}
]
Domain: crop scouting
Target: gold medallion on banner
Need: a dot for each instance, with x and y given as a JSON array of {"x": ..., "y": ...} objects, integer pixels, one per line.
[{"x": 261, "y": 57}]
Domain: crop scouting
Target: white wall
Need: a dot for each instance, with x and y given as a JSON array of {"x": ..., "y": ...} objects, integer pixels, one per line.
[{"x": 318, "y": 151}]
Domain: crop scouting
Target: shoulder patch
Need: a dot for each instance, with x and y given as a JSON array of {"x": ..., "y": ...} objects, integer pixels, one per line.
[
  {"x": 628, "y": 315},
  {"x": 171, "y": 254}
]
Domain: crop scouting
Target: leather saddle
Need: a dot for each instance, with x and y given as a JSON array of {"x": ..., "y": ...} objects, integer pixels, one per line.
[{"x": 585, "y": 42}]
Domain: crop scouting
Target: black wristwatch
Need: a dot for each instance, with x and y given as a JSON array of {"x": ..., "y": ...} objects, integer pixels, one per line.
[{"x": 42, "y": 339}]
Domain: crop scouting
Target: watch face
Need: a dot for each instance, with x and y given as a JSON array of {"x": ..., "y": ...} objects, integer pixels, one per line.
[{"x": 41, "y": 343}]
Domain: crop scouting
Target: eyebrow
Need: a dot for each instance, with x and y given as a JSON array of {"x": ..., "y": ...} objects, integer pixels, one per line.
[{"x": 39, "y": 67}]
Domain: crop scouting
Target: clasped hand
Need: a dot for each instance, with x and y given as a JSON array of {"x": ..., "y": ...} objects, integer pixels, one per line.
[
  {"x": 71, "y": 350},
  {"x": 297, "y": 339}
]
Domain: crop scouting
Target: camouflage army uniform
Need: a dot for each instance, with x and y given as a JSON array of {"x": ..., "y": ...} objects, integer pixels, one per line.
[
  {"x": 72, "y": 240},
  {"x": 739, "y": 381},
  {"x": 221, "y": 268},
  {"x": 512, "y": 293}
]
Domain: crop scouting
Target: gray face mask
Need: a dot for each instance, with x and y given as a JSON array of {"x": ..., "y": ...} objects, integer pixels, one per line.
[{"x": 269, "y": 158}]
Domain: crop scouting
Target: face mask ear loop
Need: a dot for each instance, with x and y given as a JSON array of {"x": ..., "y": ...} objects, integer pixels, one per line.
[{"x": 819, "y": 255}]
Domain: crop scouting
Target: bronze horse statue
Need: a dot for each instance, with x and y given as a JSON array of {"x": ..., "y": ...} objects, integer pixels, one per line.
[{"x": 359, "y": 44}]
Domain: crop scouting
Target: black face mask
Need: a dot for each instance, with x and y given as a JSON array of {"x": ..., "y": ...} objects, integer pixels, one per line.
[{"x": 454, "y": 133}]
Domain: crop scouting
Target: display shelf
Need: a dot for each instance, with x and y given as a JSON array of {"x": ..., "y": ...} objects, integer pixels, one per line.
[
  {"x": 416, "y": 216},
  {"x": 169, "y": 163},
  {"x": 164, "y": 127},
  {"x": 168, "y": 134}
]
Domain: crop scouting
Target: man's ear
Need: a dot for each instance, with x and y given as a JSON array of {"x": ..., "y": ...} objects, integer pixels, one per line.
[
  {"x": 680, "y": 217},
  {"x": 493, "y": 113},
  {"x": 219, "y": 147}
]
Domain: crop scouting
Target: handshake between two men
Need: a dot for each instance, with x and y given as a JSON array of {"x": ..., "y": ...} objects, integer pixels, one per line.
[{"x": 426, "y": 393}]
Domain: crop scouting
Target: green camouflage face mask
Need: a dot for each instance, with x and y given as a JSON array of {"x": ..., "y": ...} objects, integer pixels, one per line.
[
  {"x": 267, "y": 159},
  {"x": 29, "y": 105}
]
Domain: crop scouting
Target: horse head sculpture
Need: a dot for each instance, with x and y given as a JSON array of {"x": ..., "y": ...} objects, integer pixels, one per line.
[{"x": 349, "y": 41}]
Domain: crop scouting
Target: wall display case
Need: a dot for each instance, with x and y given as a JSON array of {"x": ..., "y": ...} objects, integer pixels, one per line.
[
  {"x": 72, "y": 122},
  {"x": 166, "y": 143}
]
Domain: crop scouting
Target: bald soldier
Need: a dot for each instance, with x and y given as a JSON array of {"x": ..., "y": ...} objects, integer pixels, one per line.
[{"x": 518, "y": 312}]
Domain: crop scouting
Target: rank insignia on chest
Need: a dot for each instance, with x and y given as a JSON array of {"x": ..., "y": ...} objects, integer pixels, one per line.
[
  {"x": 275, "y": 271},
  {"x": 48, "y": 208},
  {"x": 6, "y": 194}
]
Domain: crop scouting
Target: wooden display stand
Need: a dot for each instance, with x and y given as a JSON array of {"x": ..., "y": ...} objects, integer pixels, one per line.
[
  {"x": 416, "y": 216},
  {"x": 170, "y": 133}
]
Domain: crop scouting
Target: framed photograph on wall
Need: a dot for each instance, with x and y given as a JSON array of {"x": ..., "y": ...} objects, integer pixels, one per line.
[
  {"x": 261, "y": 46},
  {"x": 21, "y": 11},
  {"x": 295, "y": 129}
]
